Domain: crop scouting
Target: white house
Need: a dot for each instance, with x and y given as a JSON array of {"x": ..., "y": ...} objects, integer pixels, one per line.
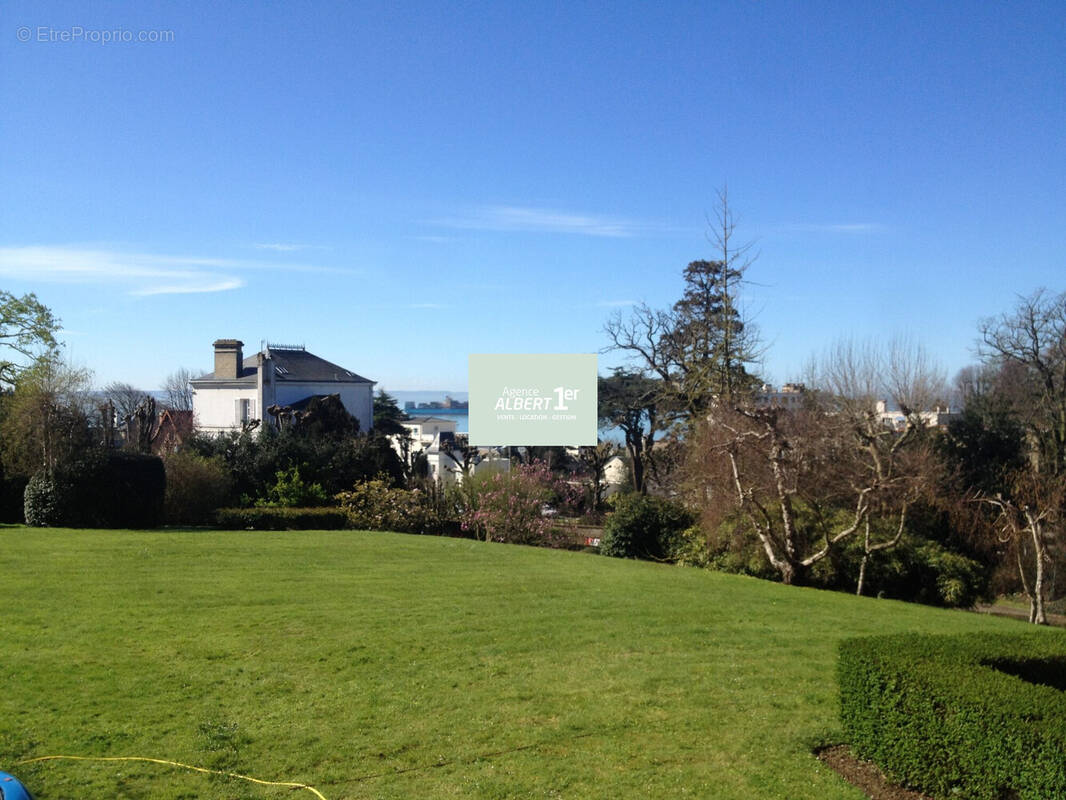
[
  {"x": 436, "y": 437},
  {"x": 424, "y": 430},
  {"x": 241, "y": 389},
  {"x": 790, "y": 397},
  {"x": 937, "y": 418}
]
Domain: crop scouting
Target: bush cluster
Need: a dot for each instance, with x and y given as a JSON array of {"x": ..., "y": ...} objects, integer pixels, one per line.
[
  {"x": 926, "y": 566},
  {"x": 291, "y": 491},
  {"x": 281, "y": 519},
  {"x": 334, "y": 462},
  {"x": 374, "y": 506},
  {"x": 511, "y": 506},
  {"x": 196, "y": 487},
  {"x": 106, "y": 490},
  {"x": 976, "y": 717},
  {"x": 642, "y": 526}
]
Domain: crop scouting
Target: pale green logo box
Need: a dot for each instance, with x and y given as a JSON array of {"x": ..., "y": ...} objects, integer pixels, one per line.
[{"x": 533, "y": 398}]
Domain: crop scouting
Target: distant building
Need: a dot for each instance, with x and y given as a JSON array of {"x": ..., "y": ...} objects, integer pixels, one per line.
[
  {"x": 172, "y": 429},
  {"x": 241, "y": 389},
  {"x": 443, "y": 447},
  {"x": 937, "y": 418},
  {"x": 790, "y": 396}
]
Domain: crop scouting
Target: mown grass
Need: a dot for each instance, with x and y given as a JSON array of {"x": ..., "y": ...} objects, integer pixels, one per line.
[{"x": 375, "y": 665}]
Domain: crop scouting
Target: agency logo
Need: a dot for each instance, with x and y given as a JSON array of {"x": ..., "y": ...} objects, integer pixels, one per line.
[{"x": 533, "y": 398}]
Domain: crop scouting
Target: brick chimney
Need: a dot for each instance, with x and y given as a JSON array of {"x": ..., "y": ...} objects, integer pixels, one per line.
[{"x": 229, "y": 357}]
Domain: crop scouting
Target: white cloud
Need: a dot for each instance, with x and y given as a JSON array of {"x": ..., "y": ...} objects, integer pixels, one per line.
[
  {"x": 223, "y": 285},
  {"x": 545, "y": 220},
  {"x": 281, "y": 247},
  {"x": 141, "y": 274},
  {"x": 838, "y": 227}
]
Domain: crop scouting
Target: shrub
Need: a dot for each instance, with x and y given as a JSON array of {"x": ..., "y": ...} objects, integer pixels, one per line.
[
  {"x": 44, "y": 501},
  {"x": 373, "y": 505},
  {"x": 196, "y": 487},
  {"x": 281, "y": 519},
  {"x": 509, "y": 506},
  {"x": 291, "y": 491},
  {"x": 919, "y": 569},
  {"x": 980, "y": 717},
  {"x": 112, "y": 490},
  {"x": 644, "y": 527}
]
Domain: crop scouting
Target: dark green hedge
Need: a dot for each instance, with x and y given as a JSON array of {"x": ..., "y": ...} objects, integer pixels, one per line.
[
  {"x": 978, "y": 717},
  {"x": 643, "y": 526},
  {"x": 281, "y": 519},
  {"x": 105, "y": 490}
]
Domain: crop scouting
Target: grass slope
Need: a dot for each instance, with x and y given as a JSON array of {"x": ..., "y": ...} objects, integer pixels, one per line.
[{"x": 376, "y": 665}]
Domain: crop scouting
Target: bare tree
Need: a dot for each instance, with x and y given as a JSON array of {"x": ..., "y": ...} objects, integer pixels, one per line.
[
  {"x": 808, "y": 479},
  {"x": 769, "y": 464},
  {"x": 739, "y": 346},
  {"x": 700, "y": 348},
  {"x": 1027, "y": 350},
  {"x": 125, "y": 397},
  {"x": 857, "y": 382},
  {"x": 1033, "y": 338},
  {"x": 1027, "y": 520},
  {"x": 141, "y": 425},
  {"x": 178, "y": 389}
]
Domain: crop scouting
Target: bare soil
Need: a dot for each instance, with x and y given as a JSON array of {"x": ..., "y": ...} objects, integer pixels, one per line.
[
  {"x": 865, "y": 775},
  {"x": 1056, "y": 620}
]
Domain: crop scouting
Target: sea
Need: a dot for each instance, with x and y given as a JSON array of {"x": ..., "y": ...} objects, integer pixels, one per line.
[{"x": 460, "y": 415}]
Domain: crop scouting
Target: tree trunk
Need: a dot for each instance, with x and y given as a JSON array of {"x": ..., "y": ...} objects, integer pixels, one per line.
[
  {"x": 788, "y": 573},
  {"x": 862, "y": 574},
  {"x": 1037, "y": 613}
]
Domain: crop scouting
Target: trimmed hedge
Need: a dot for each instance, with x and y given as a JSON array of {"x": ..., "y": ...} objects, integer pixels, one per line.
[
  {"x": 981, "y": 717},
  {"x": 281, "y": 519},
  {"x": 106, "y": 490}
]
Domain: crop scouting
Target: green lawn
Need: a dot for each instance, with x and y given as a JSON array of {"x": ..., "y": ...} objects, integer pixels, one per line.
[{"x": 382, "y": 665}]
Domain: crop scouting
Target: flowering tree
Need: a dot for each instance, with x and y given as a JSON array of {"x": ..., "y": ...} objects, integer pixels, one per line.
[{"x": 510, "y": 506}]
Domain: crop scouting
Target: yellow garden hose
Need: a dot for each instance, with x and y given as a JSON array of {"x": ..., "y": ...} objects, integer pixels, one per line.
[{"x": 205, "y": 770}]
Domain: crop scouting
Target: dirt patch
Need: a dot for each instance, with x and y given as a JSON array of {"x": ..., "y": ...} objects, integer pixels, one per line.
[
  {"x": 865, "y": 775},
  {"x": 1056, "y": 620}
]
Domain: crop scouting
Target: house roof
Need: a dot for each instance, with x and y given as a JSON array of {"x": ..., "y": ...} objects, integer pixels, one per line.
[
  {"x": 423, "y": 420},
  {"x": 300, "y": 365},
  {"x": 294, "y": 365}
]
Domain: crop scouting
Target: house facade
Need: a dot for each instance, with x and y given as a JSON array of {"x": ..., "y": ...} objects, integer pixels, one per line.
[
  {"x": 436, "y": 438},
  {"x": 242, "y": 390}
]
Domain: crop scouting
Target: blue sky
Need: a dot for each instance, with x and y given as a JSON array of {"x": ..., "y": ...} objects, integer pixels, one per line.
[{"x": 397, "y": 185}]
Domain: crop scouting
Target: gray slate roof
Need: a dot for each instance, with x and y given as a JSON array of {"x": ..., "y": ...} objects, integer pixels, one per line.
[
  {"x": 299, "y": 365},
  {"x": 295, "y": 365}
]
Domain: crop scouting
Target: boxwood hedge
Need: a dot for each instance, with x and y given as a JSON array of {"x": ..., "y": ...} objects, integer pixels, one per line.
[
  {"x": 281, "y": 519},
  {"x": 971, "y": 716}
]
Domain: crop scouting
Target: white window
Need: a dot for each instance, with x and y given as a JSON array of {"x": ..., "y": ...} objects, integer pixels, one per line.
[{"x": 245, "y": 410}]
